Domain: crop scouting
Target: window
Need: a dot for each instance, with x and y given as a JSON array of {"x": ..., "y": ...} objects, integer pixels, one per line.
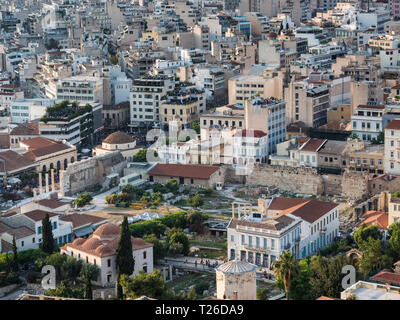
[
  {"x": 108, "y": 262},
  {"x": 242, "y": 239},
  {"x": 232, "y": 238},
  {"x": 144, "y": 254},
  {"x": 22, "y": 243},
  {"x": 39, "y": 230}
]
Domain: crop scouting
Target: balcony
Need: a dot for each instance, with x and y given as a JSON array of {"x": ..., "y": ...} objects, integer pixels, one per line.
[
  {"x": 287, "y": 246},
  {"x": 323, "y": 230}
]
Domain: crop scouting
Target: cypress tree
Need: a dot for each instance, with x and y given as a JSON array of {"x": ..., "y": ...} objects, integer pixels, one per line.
[
  {"x": 125, "y": 261},
  {"x": 88, "y": 289},
  {"x": 48, "y": 240},
  {"x": 8, "y": 264},
  {"x": 15, "y": 256}
]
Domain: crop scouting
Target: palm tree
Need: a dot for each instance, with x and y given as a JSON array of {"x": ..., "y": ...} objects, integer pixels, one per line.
[{"x": 286, "y": 268}]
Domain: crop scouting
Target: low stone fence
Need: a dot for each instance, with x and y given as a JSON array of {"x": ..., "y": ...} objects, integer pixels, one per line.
[{"x": 7, "y": 289}]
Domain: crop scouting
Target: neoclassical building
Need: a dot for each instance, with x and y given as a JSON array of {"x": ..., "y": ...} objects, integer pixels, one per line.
[
  {"x": 118, "y": 141},
  {"x": 101, "y": 249}
]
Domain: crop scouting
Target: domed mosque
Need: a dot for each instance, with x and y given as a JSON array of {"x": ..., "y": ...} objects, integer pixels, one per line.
[{"x": 118, "y": 141}]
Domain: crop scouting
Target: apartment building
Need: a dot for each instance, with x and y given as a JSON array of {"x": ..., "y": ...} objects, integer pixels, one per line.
[
  {"x": 244, "y": 87},
  {"x": 83, "y": 89},
  {"x": 367, "y": 122},
  {"x": 267, "y": 115},
  {"x": 182, "y": 106},
  {"x": 145, "y": 99},
  {"x": 392, "y": 147},
  {"x": 26, "y": 110},
  {"x": 249, "y": 147},
  {"x": 307, "y": 103}
]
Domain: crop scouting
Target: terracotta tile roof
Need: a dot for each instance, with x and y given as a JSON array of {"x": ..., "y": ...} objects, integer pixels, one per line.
[
  {"x": 14, "y": 161},
  {"x": 250, "y": 133},
  {"x": 378, "y": 218},
  {"x": 5, "y": 246},
  {"x": 104, "y": 244},
  {"x": 20, "y": 232},
  {"x": 387, "y": 276},
  {"x": 313, "y": 145},
  {"x": 118, "y": 138},
  {"x": 52, "y": 204},
  {"x": 38, "y": 215},
  {"x": 79, "y": 220},
  {"x": 29, "y": 129},
  {"x": 195, "y": 171},
  {"x": 4, "y": 140},
  {"x": 40, "y": 146},
  {"x": 394, "y": 124},
  {"x": 309, "y": 210}
]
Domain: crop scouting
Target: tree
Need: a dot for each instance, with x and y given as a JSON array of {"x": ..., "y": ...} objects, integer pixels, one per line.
[
  {"x": 394, "y": 241},
  {"x": 364, "y": 232},
  {"x": 374, "y": 257},
  {"x": 89, "y": 273},
  {"x": 180, "y": 238},
  {"x": 192, "y": 294},
  {"x": 196, "y": 126},
  {"x": 196, "y": 218},
  {"x": 57, "y": 260},
  {"x": 114, "y": 60},
  {"x": 263, "y": 293},
  {"x": 14, "y": 266},
  {"x": 52, "y": 44},
  {"x": 286, "y": 268},
  {"x": 172, "y": 185},
  {"x": 47, "y": 239},
  {"x": 326, "y": 275},
  {"x": 159, "y": 249},
  {"x": 71, "y": 268},
  {"x": 140, "y": 156},
  {"x": 65, "y": 290},
  {"x": 156, "y": 198},
  {"x": 195, "y": 201},
  {"x": 83, "y": 199},
  {"x": 125, "y": 261},
  {"x": 145, "y": 284}
]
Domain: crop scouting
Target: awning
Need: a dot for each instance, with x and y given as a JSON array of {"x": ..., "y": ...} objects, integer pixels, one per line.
[{"x": 83, "y": 231}]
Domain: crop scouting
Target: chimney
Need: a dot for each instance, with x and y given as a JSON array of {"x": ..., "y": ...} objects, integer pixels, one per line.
[{"x": 235, "y": 297}]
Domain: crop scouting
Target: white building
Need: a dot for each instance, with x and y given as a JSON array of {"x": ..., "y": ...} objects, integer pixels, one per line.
[
  {"x": 259, "y": 239},
  {"x": 145, "y": 98},
  {"x": 392, "y": 145},
  {"x": 27, "y": 110},
  {"x": 101, "y": 249},
  {"x": 84, "y": 89},
  {"x": 319, "y": 220},
  {"x": 367, "y": 122},
  {"x": 249, "y": 147}
]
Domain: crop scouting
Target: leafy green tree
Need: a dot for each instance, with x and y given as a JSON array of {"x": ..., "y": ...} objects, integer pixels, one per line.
[
  {"x": 71, "y": 268},
  {"x": 374, "y": 257},
  {"x": 114, "y": 60},
  {"x": 172, "y": 185},
  {"x": 196, "y": 126},
  {"x": 196, "y": 218},
  {"x": 140, "y": 156},
  {"x": 326, "y": 275},
  {"x": 83, "y": 199},
  {"x": 180, "y": 238},
  {"x": 286, "y": 268},
  {"x": 52, "y": 44},
  {"x": 57, "y": 260},
  {"x": 156, "y": 198},
  {"x": 192, "y": 294},
  {"x": 158, "y": 187},
  {"x": 145, "y": 284},
  {"x": 263, "y": 293},
  {"x": 195, "y": 201},
  {"x": 128, "y": 188},
  {"x": 66, "y": 291},
  {"x": 364, "y": 232},
  {"x": 47, "y": 239},
  {"x": 175, "y": 220},
  {"x": 14, "y": 266},
  {"x": 394, "y": 240},
  {"x": 125, "y": 261},
  {"x": 141, "y": 229},
  {"x": 159, "y": 248},
  {"x": 89, "y": 273}
]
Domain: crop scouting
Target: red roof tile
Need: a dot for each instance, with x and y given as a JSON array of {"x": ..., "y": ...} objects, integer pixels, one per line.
[
  {"x": 387, "y": 276},
  {"x": 79, "y": 220},
  {"x": 38, "y": 215},
  {"x": 250, "y": 133},
  {"x": 313, "y": 145},
  {"x": 378, "y": 218},
  {"x": 394, "y": 124}
]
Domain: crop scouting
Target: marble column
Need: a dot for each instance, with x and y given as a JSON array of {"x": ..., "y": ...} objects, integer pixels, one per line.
[
  {"x": 170, "y": 272},
  {"x": 53, "y": 187},
  {"x": 47, "y": 182},
  {"x": 40, "y": 183}
]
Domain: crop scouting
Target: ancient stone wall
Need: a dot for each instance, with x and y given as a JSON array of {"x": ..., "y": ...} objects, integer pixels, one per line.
[
  {"x": 82, "y": 175},
  {"x": 352, "y": 185}
]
